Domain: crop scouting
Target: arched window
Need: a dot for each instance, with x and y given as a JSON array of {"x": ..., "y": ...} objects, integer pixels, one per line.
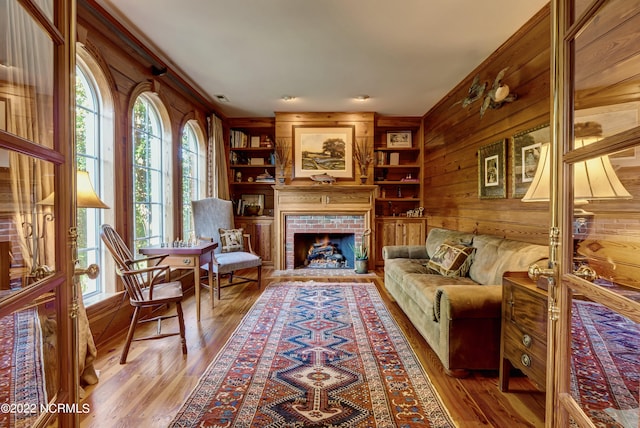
[
  {"x": 151, "y": 183},
  {"x": 192, "y": 167},
  {"x": 88, "y": 158}
]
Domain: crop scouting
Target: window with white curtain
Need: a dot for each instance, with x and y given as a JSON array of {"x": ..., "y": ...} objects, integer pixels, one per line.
[
  {"x": 191, "y": 177},
  {"x": 88, "y": 157},
  {"x": 148, "y": 174}
]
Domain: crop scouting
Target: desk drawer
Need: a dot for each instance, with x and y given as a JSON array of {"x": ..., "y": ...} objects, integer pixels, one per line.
[
  {"x": 526, "y": 309},
  {"x": 526, "y": 351},
  {"x": 179, "y": 261}
]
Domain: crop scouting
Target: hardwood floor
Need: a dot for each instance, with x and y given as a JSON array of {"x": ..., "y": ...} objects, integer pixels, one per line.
[{"x": 151, "y": 387}]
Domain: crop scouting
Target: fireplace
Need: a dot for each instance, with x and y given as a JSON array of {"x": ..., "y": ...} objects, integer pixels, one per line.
[
  {"x": 337, "y": 227},
  {"x": 323, "y": 250},
  {"x": 340, "y": 214}
]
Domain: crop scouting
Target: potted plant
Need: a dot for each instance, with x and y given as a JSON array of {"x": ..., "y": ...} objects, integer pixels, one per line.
[{"x": 361, "y": 254}]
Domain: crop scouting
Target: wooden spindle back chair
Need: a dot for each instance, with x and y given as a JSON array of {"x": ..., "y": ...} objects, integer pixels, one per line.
[{"x": 148, "y": 285}]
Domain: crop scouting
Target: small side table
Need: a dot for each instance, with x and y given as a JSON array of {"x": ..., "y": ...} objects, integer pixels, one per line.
[
  {"x": 190, "y": 258},
  {"x": 523, "y": 343}
]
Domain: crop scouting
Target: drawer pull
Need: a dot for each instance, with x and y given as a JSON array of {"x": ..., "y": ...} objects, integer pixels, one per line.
[
  {"x": 526, "y": 360},
  {"x": 186, "y": 261},
  {"x": 526, "y": 340}
]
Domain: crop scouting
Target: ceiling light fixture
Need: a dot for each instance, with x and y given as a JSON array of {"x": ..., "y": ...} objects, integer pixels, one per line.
[
  {"x": 362, "y": 97},
  {"x": 288, "y": 97},
  {"x": 221, "y": 98}
]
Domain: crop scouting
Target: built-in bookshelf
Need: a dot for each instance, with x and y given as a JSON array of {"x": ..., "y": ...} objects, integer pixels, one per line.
[
  {"x": 251, "y": 165},
  {"x": 251, "y": 171},
  {"x": 397, "y": 165}
]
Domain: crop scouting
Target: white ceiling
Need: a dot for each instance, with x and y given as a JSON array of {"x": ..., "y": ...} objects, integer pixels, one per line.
[{"x": 405, "y": 54}]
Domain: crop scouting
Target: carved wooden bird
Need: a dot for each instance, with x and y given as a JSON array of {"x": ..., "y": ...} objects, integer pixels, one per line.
[
  {"x": 496, "y": 95},
  {"x": 475, "y": 92}
]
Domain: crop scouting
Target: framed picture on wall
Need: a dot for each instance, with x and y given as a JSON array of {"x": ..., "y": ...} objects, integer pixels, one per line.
[
  {"x": 323, "y": 150},
  {"x": 525, "y": 152},
  {"x": 399, "y": 139},
  {"x": 492, "y": 183}
]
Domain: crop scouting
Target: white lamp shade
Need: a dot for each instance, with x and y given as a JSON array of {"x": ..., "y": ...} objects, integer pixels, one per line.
[
  {"x": 539, "y": 190},
  {"x": 594, "y": 179},
  {"x": 86, "y": 196}
]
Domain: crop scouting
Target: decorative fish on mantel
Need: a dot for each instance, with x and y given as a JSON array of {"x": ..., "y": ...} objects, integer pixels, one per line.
[{"x": 323, "y": 178}]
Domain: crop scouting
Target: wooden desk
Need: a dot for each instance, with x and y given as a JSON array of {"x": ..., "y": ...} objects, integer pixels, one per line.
[{"x": 190, "y": 258}]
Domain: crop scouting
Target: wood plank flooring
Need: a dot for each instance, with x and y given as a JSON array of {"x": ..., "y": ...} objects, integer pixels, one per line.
[{"x": 151, "y": 387}]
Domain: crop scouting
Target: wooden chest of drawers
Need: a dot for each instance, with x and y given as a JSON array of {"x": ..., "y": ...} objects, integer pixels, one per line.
[{"x": 524, "y": 329}]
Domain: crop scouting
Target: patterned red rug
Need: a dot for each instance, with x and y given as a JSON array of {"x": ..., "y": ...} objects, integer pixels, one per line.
[
  {"x": 315, "y": 354},
  {"x": 21, "y": 369},
  {"x": 606, "y": 365}
]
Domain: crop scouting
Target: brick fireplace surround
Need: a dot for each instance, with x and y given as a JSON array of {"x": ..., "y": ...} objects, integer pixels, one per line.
[{"x": 320, "y": 208}]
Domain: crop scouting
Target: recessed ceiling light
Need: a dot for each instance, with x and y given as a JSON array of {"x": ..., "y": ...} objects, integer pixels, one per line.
[
  {"x": 288, "y": 97},
  {"x": 222, "y": 98},
  {"x": 362, "y": 97}
]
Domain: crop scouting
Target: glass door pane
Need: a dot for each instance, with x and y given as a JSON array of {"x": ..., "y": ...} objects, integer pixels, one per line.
[
  {"x": 29, "y": 373},
  {"x": 27, "y": 222},
  {"x": 600, "y": 303},
  {"x": 26, "y": 76}
]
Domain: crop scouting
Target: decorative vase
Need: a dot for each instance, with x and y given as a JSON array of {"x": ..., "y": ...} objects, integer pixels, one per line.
[
  {"x": 361, "y": 266},
  {"x": 281, "y": 175},
  {"x": 363, "y": 179}
]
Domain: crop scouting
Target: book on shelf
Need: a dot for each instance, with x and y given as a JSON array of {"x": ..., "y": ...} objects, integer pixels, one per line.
[
  {"x": 265, "y": 178},
  {"x": 255, "y": 141},
  {"x": 239, "y": 139}
]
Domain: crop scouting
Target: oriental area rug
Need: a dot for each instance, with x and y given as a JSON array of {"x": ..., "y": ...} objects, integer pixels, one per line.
[
  {"x": 606, "y": 365},
  {"x": 21, "y": 368},
  {"x": 311, "y": 354}
]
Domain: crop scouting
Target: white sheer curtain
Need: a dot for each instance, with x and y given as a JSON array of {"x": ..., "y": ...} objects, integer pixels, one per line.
[
  {"x": 217, "y": 179},
  {"x": 29, "y": 93}
]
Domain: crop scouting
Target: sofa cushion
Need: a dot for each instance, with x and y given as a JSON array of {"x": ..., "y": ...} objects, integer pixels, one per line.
[
  {"x": 451, "y": 259},
  {"x": 494, "y": 256},
  {"x": 437, "y": 237},
  {"x": 421, "y": 288},
  {"x": 397, "y": 269}
]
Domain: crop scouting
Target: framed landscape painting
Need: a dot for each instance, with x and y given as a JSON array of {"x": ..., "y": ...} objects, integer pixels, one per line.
[
  {"x": 491, "y": 171},
  {"x": 525, "y": 154},
  {"x": 399, "y": 139},
  {"x": 323, "y": 150}
]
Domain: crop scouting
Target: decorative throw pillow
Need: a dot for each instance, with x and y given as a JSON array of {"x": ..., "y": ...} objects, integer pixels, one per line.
[
  {"x": 231, "y": 240},
  {"x": 451, "y": 259}
]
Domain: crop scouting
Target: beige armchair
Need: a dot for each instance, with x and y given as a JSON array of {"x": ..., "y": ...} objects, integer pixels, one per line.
[{"x": 213, "y": 220}]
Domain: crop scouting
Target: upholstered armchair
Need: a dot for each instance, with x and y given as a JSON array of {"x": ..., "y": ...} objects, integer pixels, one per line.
[{"x": 213, "y": 220}]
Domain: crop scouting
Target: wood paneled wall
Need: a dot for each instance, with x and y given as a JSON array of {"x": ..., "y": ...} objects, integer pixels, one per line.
[
  {"x": 453, "y": 135},
  {"x": 363, "y": 124}
]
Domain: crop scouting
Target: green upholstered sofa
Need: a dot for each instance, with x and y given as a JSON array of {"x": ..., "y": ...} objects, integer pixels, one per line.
[{"x": 458, "y": 316}]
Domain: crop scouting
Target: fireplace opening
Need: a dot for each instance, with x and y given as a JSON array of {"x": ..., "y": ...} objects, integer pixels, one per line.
[{"x": 323, "y": 250}]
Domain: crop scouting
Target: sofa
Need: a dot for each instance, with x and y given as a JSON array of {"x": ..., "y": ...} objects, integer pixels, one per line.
[{"x": 456, "y": 304}]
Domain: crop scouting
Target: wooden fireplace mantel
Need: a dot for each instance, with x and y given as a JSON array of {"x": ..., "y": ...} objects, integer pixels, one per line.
[{"x": 321, "y": 199}]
